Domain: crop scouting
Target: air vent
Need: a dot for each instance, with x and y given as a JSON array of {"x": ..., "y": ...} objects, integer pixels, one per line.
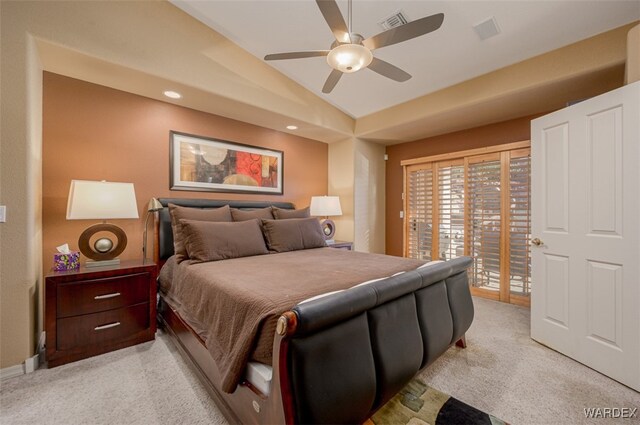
[
  {"x": 487, "y": 28},
  {"x": 395, "y": 20}
]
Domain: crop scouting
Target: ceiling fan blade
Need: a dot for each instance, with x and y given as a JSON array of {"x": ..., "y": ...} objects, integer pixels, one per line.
[
  {"x": 296, "y": 55},
  {"x": 405, "y": 32},
  {"x": 387, "y": 70},
  {"x": 333, "y": 16},
  {"x": 332, "y": 80}
]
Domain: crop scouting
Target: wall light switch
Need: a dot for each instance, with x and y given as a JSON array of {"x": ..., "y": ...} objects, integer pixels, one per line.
[
  {"x": 401, "y": 214},
  {"x": 3, "y": 214}
]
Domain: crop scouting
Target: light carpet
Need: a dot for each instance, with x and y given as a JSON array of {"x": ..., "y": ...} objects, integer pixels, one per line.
[{"x": 502, "y": 371}]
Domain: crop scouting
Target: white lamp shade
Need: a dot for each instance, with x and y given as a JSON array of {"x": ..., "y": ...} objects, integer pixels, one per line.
[
  {"x": 101, "y": 200},
  {"x": 325, "y": 206}
]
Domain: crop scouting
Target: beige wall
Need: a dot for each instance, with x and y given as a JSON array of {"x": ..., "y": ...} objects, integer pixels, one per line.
[
  {"x": 356, "y": 174},
  {"x": 341, "y": 178},
  {"x": 93, "y": 132},
  {"x": 369, "y": 196},
  {"x": 632, "y": 72},
  {"x": 20, "y": 185}
]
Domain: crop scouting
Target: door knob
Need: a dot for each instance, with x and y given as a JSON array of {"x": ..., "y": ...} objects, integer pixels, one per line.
[{"x": 537, "y": 242}]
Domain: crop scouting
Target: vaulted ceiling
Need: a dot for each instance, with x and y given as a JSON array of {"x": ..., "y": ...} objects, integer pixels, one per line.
[
  {"x": 546, "y": 54},
  {"x": 451, "y": 55}
]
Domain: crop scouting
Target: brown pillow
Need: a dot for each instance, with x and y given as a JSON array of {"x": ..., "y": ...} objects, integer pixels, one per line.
[
  {"x": 178, "y": 213},
  {"x": 293, "y": 234},
  {"x": 211, "y": 241},
  {"x": 281, "y": 213},
  {"x": 242, "y": 215}
]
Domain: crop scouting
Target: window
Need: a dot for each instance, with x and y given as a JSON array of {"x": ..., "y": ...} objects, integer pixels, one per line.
[{"x": 474, "y": 203}]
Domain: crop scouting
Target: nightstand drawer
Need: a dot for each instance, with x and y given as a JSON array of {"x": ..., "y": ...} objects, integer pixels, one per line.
[
  {"x": 102, "y": 328},
  {"x": 92, "y": 296}
]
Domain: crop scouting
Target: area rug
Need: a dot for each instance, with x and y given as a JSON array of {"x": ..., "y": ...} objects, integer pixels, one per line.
[{"x": 419, "y": 404}]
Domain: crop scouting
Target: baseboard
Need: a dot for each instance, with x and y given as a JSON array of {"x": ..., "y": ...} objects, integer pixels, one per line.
[
  {"x": 11, "y": 372},
  {"x": 31, "y": 364}
]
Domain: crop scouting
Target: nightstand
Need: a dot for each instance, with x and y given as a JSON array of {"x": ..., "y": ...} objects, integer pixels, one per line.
[
  {"x": 97, "y": 310},
  {"x": 342, "y": 245}
]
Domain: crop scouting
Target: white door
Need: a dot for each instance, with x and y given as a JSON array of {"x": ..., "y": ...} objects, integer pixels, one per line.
[{"x": 585, "y": 297}]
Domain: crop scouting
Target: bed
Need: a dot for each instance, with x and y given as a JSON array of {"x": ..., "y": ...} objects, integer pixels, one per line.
[{"x": 336, "y": 356}]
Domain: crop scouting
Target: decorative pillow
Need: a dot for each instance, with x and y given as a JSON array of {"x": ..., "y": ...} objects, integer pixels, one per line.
[
  {"x": 293, "y": 234},
  {"x": 178, "y": 213},
  {"x": 281, "y": 213},
  {"x": 211, "y": 241},
  {"x": 243, "y": 215}
]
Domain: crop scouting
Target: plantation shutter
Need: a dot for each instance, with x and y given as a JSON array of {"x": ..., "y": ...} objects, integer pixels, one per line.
[
  {"x": 474, "y": 203},
  {"x": 484, "y": 220},
  {"x": 419, "y": 212},
  {"x": 520, "y": 223},
  {"x": 450, "y": 210}
]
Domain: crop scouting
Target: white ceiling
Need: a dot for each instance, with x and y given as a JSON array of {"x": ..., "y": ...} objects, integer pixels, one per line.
[{"x": 448, "y": 56}]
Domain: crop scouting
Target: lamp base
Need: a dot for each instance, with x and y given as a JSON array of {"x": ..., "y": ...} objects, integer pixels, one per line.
[
  {"x": 329, "y": 229},
  {"x": 104, "y": 263},
  {"x": 103, "y": 249}
]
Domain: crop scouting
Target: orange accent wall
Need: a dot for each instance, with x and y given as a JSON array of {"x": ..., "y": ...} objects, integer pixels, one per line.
[
  {"x": 92, "y": 132},
  {"x": 489, "y": 135}
]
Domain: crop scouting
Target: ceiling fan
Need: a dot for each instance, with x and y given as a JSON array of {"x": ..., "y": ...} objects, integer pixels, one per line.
[{"x": 351, "y": 52}]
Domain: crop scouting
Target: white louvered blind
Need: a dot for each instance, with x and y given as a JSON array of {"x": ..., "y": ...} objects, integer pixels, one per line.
[
  {"x": 520, "y": 225},
  {"x": 450, "y": 211},
  {"x": 476, "y": 205},
  {"x": 484, "y": 223},
  {"x": 419, "y": 214}
]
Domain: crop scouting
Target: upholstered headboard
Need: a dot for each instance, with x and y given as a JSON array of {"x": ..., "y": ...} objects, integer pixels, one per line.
[{"x": 164, "y": 235}]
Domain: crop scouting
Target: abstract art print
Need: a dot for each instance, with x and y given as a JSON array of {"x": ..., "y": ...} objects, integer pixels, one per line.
[{"x": 203, "y": 164}]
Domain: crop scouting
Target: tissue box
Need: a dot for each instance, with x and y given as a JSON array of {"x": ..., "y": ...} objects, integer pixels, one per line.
[{"x": 70, "y": 261}]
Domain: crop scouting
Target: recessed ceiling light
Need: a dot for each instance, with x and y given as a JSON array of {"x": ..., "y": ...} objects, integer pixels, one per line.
[
  {"x": 292, "y": 127},
  {"x": 172, "y": 94}
]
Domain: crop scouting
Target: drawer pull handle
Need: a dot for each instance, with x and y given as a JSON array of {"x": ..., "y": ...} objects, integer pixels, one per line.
[
  {"x": 104, "y": 297},
  {"x": 110, "y": 325}
]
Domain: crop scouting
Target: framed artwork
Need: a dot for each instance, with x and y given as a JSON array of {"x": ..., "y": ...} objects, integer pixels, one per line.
[{"x": 203, "y": 164}]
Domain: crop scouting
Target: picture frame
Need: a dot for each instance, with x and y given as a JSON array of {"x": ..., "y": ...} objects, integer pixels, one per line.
[{"x": 199, "y": 163}]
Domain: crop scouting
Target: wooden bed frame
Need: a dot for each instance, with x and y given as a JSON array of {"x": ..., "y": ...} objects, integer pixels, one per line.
[{"x": 247, "y": 405}]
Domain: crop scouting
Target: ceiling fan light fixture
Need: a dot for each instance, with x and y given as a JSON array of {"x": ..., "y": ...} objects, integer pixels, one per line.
[{"x": 349, "y": 57}]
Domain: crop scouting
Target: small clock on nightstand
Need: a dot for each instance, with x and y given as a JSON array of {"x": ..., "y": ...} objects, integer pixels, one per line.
[
  {"x": 341, "y": 245},
  {"x": 100, "y": 309}
]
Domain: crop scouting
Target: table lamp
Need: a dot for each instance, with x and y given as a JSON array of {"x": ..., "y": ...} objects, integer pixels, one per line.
[
  {"x": 101, "y": 200},
  {"x": 326, "y": 206}
]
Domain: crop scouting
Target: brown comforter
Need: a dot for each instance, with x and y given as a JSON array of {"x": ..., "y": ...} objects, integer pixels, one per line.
[{"x": 231, "y": 302}]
